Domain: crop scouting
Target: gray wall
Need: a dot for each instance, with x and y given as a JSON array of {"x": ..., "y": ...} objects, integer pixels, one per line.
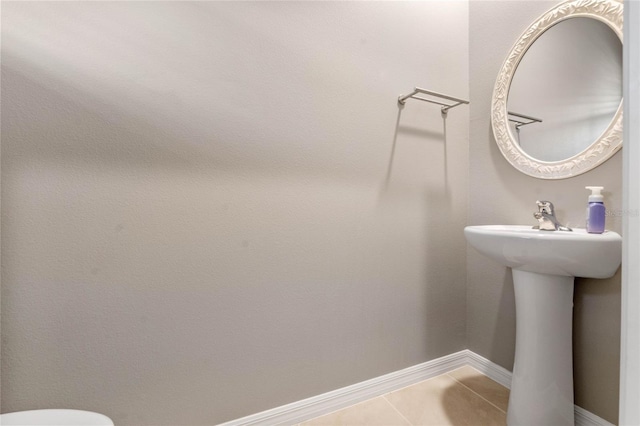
[
  {"x": 500, "y": 194},
  {"x": 204, "y": 214}
]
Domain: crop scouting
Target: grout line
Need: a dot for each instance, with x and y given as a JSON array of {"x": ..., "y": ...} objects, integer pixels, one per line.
[
  {"x": 491, "y": 403},
  {"x": 395, "y": 408},
  {"x": 334, "y": 411}
]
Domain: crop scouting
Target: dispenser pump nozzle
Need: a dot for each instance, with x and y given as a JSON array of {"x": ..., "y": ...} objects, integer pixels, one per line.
[{"x": 596, "y": 196}]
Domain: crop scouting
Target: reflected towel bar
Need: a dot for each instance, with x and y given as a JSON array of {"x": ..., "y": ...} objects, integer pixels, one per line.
[
  {"x": 520, "y": 123},
  {"x": 445, "y": 106}
]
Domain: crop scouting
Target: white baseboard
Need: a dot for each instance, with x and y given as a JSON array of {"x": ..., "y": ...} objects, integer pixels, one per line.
[
  {"x": 489, "y": 369},
  {"x": 325, "y": 403},
  {"x": 585, "y": 418}
]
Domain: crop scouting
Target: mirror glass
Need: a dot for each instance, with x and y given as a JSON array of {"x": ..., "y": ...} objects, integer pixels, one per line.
[{"x": 570, "y": 79}]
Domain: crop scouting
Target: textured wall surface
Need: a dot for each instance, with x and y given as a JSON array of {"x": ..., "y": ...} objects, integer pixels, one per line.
[
  {"x": 210, "y": 209},
  {"x": 501, "y": 195}
]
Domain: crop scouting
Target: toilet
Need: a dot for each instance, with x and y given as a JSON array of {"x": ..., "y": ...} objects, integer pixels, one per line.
[{"x": 55, "y": 418}]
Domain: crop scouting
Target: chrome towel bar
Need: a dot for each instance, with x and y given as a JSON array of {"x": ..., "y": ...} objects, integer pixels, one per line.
[{"x": 445, "y": 106}]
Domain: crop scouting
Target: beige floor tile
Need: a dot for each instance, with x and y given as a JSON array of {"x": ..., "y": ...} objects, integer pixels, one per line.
[
  {"x": 373, "y": 412},
  {"x": 492, "y": 391},
  {"x": 443, "y": 401}
]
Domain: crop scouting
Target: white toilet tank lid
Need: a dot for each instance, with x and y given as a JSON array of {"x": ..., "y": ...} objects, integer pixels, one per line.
[{"x": 55, "y": 418}]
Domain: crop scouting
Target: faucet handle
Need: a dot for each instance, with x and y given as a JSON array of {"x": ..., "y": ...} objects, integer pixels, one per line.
[{"x": 545, "y": 207}]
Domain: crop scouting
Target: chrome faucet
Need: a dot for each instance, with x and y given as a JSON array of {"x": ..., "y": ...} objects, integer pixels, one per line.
[{"x": 547, "y": 218}]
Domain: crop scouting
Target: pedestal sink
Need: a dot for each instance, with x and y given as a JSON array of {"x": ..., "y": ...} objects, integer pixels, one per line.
[{"x": 544, "y": 264}]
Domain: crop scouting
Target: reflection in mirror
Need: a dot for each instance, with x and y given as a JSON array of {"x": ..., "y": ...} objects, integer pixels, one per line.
[{"x": 570, "y": 80}]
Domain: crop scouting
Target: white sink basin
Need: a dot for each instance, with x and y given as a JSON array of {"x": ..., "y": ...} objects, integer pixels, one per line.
[
  {"x": 544, "y": 264},
  {"x": 573, "y": 254}
]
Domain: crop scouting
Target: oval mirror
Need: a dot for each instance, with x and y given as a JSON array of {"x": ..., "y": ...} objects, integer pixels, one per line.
[{"x": 557, "y": 103}]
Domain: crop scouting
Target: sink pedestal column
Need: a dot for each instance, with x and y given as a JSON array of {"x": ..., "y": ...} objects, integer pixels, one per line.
[{"x": 542, "y": 383}]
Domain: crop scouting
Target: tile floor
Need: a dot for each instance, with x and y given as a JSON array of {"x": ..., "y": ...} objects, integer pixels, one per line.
[{"x": 461, "y": 397}]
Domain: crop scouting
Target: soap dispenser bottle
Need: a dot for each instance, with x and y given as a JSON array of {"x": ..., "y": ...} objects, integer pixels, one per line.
[{"x": 595, "y": 210}]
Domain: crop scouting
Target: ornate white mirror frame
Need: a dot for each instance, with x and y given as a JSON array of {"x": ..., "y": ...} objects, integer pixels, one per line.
[{"x": 608, "y": 143}]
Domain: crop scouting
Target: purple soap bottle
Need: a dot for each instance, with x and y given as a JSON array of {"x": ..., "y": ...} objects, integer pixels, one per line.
[{"x": 595, "y": 210}]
